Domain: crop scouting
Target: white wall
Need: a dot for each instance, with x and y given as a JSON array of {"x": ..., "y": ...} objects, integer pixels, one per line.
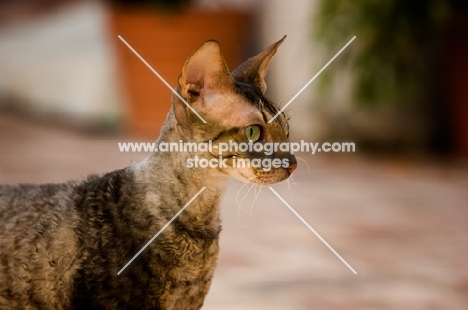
[
  {"x": 295, "y": 63},
  {"x": 61, "y": 64}
]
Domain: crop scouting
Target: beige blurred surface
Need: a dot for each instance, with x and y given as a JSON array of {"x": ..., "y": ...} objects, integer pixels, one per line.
[{"x": 402, "y": 225}]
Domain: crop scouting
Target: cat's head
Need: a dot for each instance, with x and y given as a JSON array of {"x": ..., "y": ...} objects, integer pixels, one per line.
[{"x": 236, "y": 113}]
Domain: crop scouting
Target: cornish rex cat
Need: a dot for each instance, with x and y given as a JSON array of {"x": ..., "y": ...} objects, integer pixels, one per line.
[{"x": 62, "y": 245}]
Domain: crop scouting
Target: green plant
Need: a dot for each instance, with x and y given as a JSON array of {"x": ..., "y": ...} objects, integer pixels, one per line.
[{"x": 392, "y": 59}]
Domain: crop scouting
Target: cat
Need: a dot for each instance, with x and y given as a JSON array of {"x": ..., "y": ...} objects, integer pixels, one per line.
[{"x": 62, "y": 245}]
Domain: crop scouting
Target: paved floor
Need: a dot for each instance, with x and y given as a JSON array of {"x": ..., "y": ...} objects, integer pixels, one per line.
[{"x": 402, "y": 225}]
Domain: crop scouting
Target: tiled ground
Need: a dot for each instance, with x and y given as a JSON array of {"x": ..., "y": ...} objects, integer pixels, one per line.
[{"x": 402, "y": 225}]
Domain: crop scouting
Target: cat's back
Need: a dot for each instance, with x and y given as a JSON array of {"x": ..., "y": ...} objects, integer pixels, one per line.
[
  {"x": 29, "y": 200},
  {"x": 27, "y": 210},
  {"x": 36, "y": 240}
]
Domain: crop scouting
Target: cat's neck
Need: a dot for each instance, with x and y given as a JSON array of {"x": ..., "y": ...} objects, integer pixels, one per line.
[{"x": 171, "y": 184}]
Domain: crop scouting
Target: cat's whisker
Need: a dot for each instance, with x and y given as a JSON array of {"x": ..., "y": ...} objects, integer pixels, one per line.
[
  {"x": 292, "y": 180},
  {"x": 248, "y": 191},
  {"x": 242, "y": 209},
  {"x": 256, "y": 197},
  {"x": 307, "y": 164},
  {"x": 260, "y": 189},
  {"x": 239, "y": 221},
  {"x": 238, "y": 183},
  {"x": 239, "y": 203},
  {"x": 253, "y": 201},
  {"x": 244, "y": 184},
  {"x": 239, "y": 208},
  {"x": 245, "y": 196}
]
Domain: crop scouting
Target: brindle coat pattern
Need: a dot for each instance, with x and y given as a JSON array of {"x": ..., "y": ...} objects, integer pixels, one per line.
[{"x": 61, "y": 245}]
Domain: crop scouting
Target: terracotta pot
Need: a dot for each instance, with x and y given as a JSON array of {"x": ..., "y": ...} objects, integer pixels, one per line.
[{"x": 165, "y": 40}]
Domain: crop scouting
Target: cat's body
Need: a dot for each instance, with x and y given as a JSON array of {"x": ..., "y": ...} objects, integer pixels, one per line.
[
  {"x": 77, "y": 236},
  {"x": 62, "y": 245}
]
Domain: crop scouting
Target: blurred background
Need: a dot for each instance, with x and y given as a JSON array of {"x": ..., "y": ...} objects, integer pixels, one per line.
[{"x": 396, "y": 209}]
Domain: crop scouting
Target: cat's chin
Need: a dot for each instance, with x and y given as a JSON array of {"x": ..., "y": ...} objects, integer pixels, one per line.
[
  {"x": 262, "y": 177},
  {"x": 271, "y": 177}
]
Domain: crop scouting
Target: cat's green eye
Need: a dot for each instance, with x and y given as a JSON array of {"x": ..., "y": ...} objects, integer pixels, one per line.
[
  {"x": 286, "y": 129},
  {"x": 252, "y": 133}
]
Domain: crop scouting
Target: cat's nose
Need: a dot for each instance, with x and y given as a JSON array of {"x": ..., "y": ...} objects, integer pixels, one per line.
[{"x": 292, "y": 167}]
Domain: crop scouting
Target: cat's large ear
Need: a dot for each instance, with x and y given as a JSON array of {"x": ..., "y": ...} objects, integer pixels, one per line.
[
  {"x": 254, "y": 69},
  {"x": 205, "y": 71}
]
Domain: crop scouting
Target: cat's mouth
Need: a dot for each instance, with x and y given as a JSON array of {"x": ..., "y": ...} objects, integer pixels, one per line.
[
  {"x": 267, "y": 177},
  {"x": 270, "y": 177}
]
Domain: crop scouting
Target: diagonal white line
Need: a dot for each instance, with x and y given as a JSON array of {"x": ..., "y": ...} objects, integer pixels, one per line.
[
  {"x": 161, "y": 230},
  {"x": 311, "y": 80},
  {"x": 163, "y": 80},
  {"x": 313, "y": 230}
]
